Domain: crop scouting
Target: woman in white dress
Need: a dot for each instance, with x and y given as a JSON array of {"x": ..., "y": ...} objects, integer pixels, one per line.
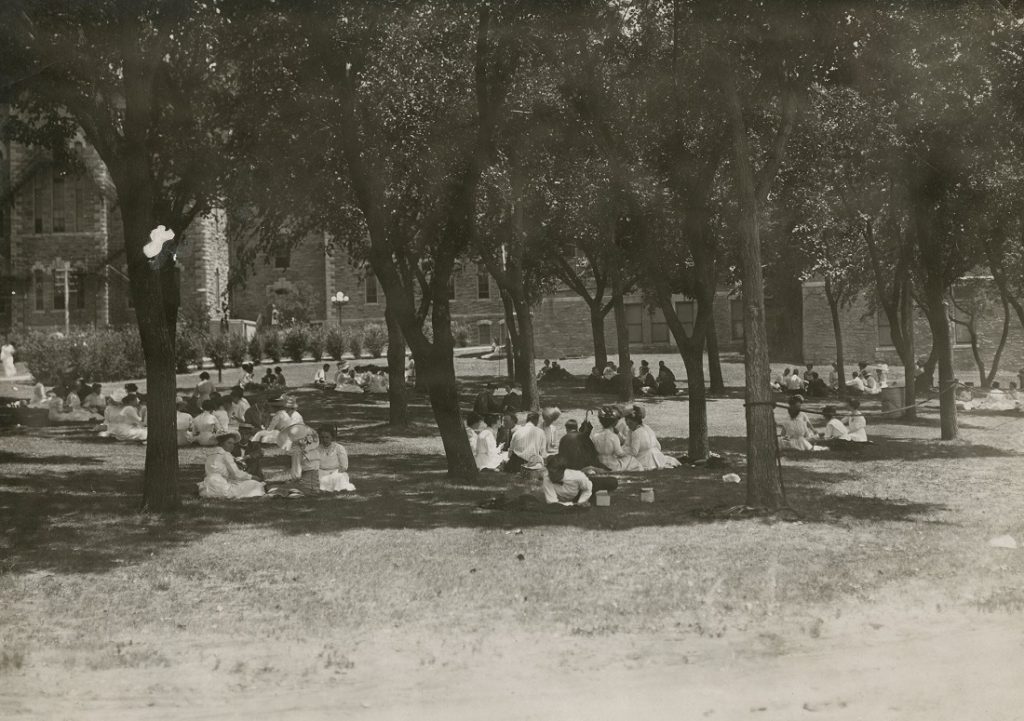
[
  {"x": 61, "y": 412},
  {"x": 285, "y": 418},
  {"x": 488, "y": 457},
  {"x": 183, "y": 424},
  {"x": 644, "y": 445},
  {"x": 552, "y": 433},
  {"x": 73, "y": 406},
  {"x": 608, "y": 444},
  {"x": 345, "y": 382},
  {"x": 206, "y": 427},
  {"x": 333, "y": 463},
  {"x": 856, "y": 423},
  {"x": 834, "y": 428},
  {"x": 128, "y": 424},
  {"x": 871, "y": 386},
  {"x": 7, "y": 358},
  {"x": 224, "y": 479},
  {"x": 797, "y": 432}
]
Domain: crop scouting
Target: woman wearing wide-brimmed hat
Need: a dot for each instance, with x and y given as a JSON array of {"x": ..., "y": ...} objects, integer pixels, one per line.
[
  {"x": 284, "y": 419},
  {"x": 224, "y": 479}
]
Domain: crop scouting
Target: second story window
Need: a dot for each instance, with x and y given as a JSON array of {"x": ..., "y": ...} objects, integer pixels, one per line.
[
  {"x": 371, "y": 289},
  {"x": 283, "y": 258},
  {"x": 483, "y": 282}
]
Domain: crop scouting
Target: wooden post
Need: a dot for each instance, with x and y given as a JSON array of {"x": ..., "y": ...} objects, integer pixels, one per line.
[{"x": 67, "y": 299}]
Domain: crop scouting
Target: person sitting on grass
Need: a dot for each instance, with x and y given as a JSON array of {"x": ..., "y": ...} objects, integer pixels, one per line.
[
  {"x": 643, "y": 443},
  {"x": 552, "y": 433},
  {"x": 246, "y": 379},
  {"x": 834, "y": 428},
  {"x": 645, "y": 382},
  {"x": 267, "y": 381},
  {"x": 320, "y": 379},
  {"x": 224, "y": 479},
  {"x": 474, "y": 424},
  {"x": 528, "y": 446},
  {"x": 223, "y": 413},
  {"x": 485, "y": 404},
  {"x": 75, "y": 413},
  {"x": 595, "y": 381},
  {"x": 203, "y": 389},
  {"x": 797, "y": 432},
  {"x": 333, "y": 463},
  {"x": 279, "y": 381},
  {"x": 855, "y": 386},
  {"x": 809, "y": 373},
  {"x": 511, "y": 402},
  {"x": 871, "y": 386},
  {"x": 183, "y": 423},
  {"x": 666, "y": 380},
  {"x": 608, "y": 444},
  {"x": 856, "y": 423},
  {"x": 544, "y": 369},
  {"x": 206, "y": 427},
  {"x": 285, "y": 418},
  {"x": 509, "y": 422},
  {"x": 794, "y": 383},
  {"x": 816, "y": 387},
  {"x": 565, "y": 485},
  {"x": 376, "y": 383},
  {"x": 488, "y": 457},
  {"x": 609, "y": 372},
  {"x": 239, "y": 409},
  {"x": 128, "y": 424},
  {"x": 94, "y": 400},
  {"x": 576, "y": 449},
  {"x": 306, "y": 454}
]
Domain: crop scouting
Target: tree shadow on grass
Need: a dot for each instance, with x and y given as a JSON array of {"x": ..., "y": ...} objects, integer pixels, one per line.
[
  {"x": 6, "y": 457},
  {"x": 881, "y": 448},
  {"x": 87, "y": 521}
]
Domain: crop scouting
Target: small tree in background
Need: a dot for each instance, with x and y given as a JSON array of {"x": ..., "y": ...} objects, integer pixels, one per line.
[{"x": 375, "y": 337}]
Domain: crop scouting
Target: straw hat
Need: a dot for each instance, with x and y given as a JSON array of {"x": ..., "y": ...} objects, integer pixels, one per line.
[
  {"x": 221, "y": 437},
  {"x": 551, "y": 414}
]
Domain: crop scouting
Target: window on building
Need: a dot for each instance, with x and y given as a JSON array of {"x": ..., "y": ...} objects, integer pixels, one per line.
[
  {"x": 884, "y": 330},
  {"x": 451, "y": 287},
  {"x": 78, "y": 220},
  {"x": 483, "y": 283},
  {"x": 961, "y": 333},
  {"x": 58, "y": 289},
  {"x": 659, "y": 328},
  {"x": 58, "y": 215},
  {"x": 370, "y": 284},
  {"x": 38, "y": 201},
  {"x": 39, "y": 289},
  {"x": 484, "y": 333},
  {"x": 635, "y": 322},
  {"x": 283, "y": 258},
  {"x": 736, "y": 318},
  {"x": 685, "y": 312},
  {"x": 76, "y": 289}
]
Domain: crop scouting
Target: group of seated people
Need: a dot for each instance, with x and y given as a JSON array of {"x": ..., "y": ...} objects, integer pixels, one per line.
[
  {"x": 553, "y": 373},
  {"x": 995, "y": 400},
  {"x": 810, "y": 383},
  {"x": 797, "y": 432},
  {"x": 121, "y": 415},
  {"x": 359, "y": 381},
  {"x": 644, "y": 381},
  {"x": 504, "y": 442},
  {"x": 319, "y": 464}
]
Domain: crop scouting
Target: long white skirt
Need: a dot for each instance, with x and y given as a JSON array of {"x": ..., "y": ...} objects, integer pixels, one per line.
[
  {"x": 271, "y": 438},
  {"x": 335, "y": 481},
  {"x": 655, "y": 459},
  {"x": 125, "y": 433},
  {"x": 626, "y": 463},
  {"x": 217, "y": 486}
]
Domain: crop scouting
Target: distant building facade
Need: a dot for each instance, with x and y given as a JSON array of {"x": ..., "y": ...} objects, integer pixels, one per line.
[{"x": 62, "y": 246}]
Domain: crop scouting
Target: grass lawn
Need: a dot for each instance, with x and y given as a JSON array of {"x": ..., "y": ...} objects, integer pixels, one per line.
[{"x": 404, "y": 600}]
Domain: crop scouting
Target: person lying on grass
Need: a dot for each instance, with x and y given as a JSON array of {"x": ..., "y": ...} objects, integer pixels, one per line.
[
  {"x": 333, "y": 469},
  {"x": 224, "y": 479}
]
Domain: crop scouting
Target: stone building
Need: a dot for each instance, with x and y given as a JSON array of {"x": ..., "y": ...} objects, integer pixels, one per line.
[
  {"x": 316, "y": 272},
  {"x": 866, "y": 334},
  {"x": 55, "y": 224}
]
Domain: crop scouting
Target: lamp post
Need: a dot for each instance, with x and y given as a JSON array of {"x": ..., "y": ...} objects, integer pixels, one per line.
[{"x": 339, "y": 299}]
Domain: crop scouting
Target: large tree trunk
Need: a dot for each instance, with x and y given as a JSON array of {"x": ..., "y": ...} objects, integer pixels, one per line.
[
  {"x": 697, "y": 444},
  {"x": 513, "y": 335},
  {"x": 837, "y": 330},
  {"x": 942, "y": 346},
  {"x": 597, "y": 332},
  {"x": 907, "y": 350},
  {"x": 994, "y": 371},
  {"x": 439, "y": 371},
  {"x": 398, "y": 399},
  {"x": 714, "y": 362},
  {"x": 625, "y": 390},
  {"x": 525, "y": 357},
  {"x": 155, "y": 296},
  {"x": 764, "y": 478}
]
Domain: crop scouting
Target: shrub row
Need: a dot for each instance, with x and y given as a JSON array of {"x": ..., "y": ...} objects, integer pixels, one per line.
[{"x": 97, "y": 355}]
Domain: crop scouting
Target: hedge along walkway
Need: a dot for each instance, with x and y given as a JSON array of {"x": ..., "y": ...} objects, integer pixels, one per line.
[{"x": 404, "y": 600}]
